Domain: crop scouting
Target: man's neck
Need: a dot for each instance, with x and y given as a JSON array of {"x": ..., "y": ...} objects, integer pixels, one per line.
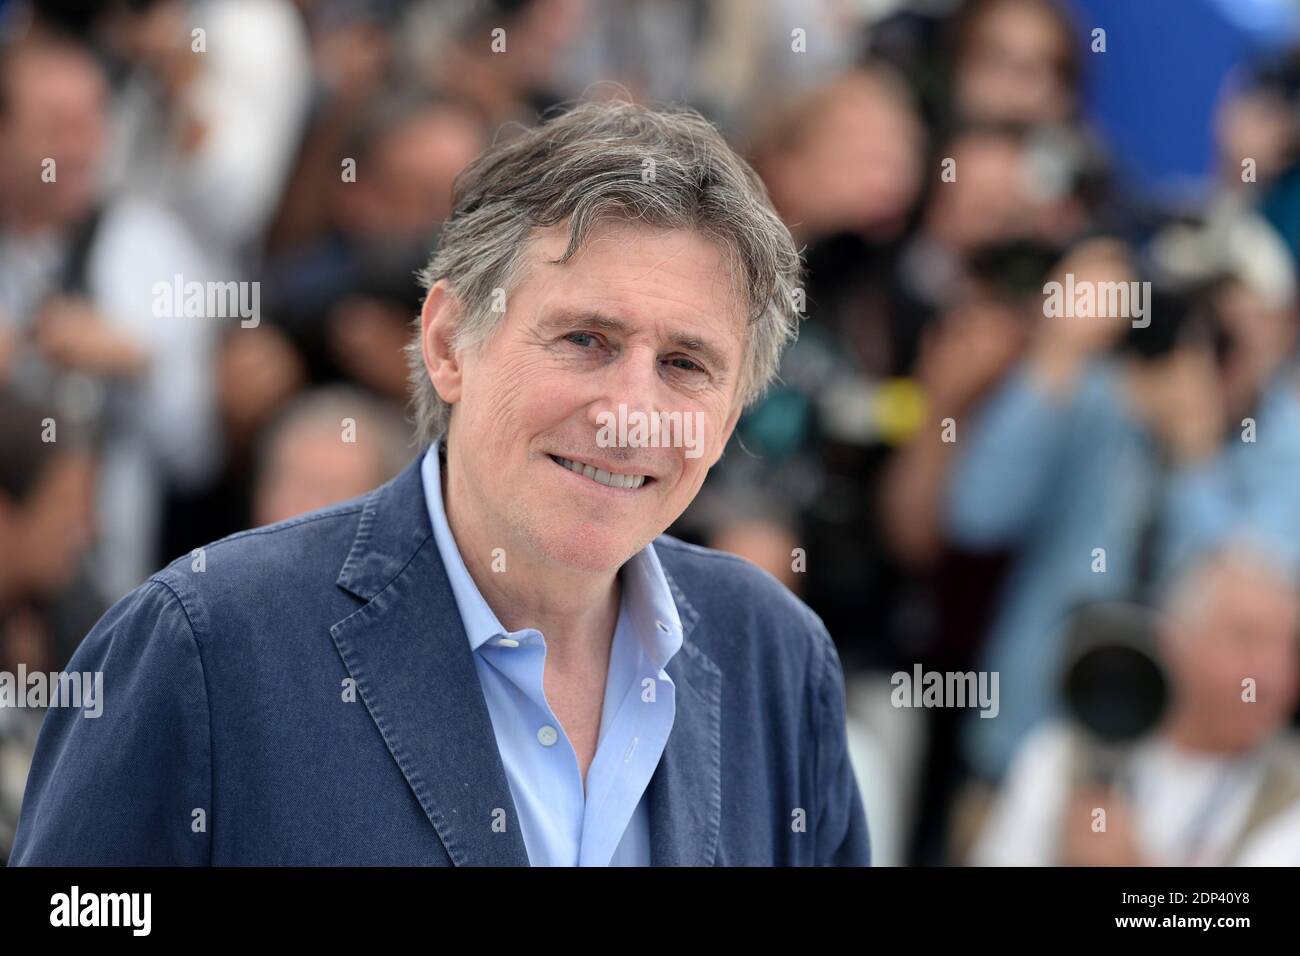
[{"x": 575, "y": 611}]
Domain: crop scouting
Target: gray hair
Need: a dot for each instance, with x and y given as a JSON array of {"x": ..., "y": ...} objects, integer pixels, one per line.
[
  {"x": 1237, "y": 558},
  {"x": 666, "y": 168},
  {"x": 384, "y": 433}
]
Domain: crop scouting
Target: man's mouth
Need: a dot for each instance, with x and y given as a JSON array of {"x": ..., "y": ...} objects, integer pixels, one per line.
[{"x": 601, "y": 476}]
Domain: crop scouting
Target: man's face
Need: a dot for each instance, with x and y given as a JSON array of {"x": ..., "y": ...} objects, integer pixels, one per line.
[
  {"x": 310, "y": 467},
  {"x": 56, "y": 111},
  {"x": 1247, "y": 629},
  {"x": 1012, "y": 71},
  {"x": 414, "y": 166},
  {"x": 988, "y": 203},
  {"x": 645, "y": 318}
]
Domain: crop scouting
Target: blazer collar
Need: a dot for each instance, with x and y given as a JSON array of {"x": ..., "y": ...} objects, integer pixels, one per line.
[{"x": 407, "y": 650}]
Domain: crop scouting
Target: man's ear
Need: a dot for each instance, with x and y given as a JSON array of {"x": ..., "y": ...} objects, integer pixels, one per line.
[
  {"x": 727, "y": 429},
  {"x": 437, "y": 327}
]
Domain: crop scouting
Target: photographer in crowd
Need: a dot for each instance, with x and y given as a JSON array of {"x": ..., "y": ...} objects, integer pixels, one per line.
[{"x": 1218, "y": 782}]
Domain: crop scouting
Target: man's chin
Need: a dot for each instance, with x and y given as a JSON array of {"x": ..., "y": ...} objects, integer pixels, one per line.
[{"x": 591, "y": 549}]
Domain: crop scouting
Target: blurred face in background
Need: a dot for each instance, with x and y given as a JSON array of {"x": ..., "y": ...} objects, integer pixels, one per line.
[
  {"x": 1258, "y": 123},
  {"x": 403, "y": 187},
  {"x": 1011, "y": 65},
  {"x": 1261, "y": 334},
  {"x": 506, "y": 82},
  {"x": 545, "y": 29},
  {"x": 1241, "y": 625},
  {"x": 988, "y": 202},
  {"x": 310, "y": 466},
  {"x": 854, "y": 163},
  {"x": 535, "y": 391},
  {"x": 54, "y": 103}
]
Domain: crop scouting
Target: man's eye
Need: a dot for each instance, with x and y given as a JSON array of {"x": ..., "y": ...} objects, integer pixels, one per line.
[
  {"x": 685, "y": 364},
  {"x": 587, "y": 339}
]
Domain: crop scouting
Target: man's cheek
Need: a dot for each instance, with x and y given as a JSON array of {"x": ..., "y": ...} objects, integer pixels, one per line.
[
  {"x": 527, "y": 387},
  {"x": 690, "y": 479},
  {"x": 498, "y": 410},
  {"x": 510, "y": 398}
]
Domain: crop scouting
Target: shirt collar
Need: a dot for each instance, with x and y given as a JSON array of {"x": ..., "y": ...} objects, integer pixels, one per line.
[{"x": 647, "y": 600}]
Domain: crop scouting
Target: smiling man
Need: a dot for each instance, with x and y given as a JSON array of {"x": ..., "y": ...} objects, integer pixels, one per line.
[{"x": 498, "y": 658}]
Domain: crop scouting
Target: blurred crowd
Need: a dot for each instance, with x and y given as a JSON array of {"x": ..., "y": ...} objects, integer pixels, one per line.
[{"x": 945, "y": 473}]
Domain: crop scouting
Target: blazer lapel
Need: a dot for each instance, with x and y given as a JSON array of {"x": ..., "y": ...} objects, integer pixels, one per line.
[
  {"x": 685, "y": 792},
  {"x": 408, "y": 652}
]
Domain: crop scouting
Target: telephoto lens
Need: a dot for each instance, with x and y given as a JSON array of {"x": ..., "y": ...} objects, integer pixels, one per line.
[{"x": 1114, "y": 685}]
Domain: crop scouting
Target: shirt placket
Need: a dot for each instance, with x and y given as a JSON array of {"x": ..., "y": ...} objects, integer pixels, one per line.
[{"x": 625, "y": 761}]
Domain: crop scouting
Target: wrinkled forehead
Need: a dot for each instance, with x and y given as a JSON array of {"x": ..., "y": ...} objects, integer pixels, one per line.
[{"x": 676, "y": 274}]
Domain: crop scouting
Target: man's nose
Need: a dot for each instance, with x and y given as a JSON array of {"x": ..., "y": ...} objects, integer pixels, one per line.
[{"x": 631, "y": 382}]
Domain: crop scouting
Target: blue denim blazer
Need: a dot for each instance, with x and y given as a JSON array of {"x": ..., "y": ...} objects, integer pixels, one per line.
[{"x": 304, "y": 693}]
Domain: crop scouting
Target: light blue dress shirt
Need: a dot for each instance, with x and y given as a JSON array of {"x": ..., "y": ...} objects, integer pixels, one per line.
[{"x": 608, "y": 824}]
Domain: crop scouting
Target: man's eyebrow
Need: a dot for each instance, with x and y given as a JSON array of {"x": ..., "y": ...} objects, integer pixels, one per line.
[
  {"x": 596, "y": 321},
  {"x": 601, "y": 322}
]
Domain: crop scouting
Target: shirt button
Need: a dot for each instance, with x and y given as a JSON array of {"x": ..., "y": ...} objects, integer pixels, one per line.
[
  {"x": 508, "y": 642},
  {"x": 547, "y": 736}
]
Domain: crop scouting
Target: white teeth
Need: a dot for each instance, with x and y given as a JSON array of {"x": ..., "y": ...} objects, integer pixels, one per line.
[{"x": 600, "y": 475}]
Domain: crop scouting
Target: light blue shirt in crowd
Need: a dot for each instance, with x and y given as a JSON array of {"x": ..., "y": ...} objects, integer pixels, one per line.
[
  {"x": 1057, "y": 479},
  {"x": 608, "y": 823}
]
